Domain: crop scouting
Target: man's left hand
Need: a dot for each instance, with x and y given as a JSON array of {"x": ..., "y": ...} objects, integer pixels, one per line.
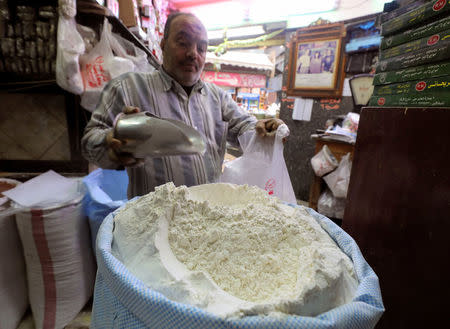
[{"x": 268, "y": 127}]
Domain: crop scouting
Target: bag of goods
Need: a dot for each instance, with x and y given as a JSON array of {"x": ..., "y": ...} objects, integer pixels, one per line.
[
  {"x": 13, "y": 280},
  {"x": 56, "y": 244},
  {"x": 228, "y": 256},
  {"x": 106, "y": 191},
  {"x": 99, "y": 66},
  {"x": 262, "y": 165},
  {"x": 323, "y": 162},
  {"x": 339, "y": 179}
]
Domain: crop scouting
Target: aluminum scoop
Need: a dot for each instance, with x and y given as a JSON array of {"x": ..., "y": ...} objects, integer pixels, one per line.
[{"x": 147, "y": 135}]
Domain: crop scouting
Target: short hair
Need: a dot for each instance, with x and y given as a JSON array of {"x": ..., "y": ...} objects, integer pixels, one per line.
[{"x": 170, "y": 18}]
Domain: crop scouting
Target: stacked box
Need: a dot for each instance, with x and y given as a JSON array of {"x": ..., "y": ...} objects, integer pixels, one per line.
[
  {"x": 414, "y": 66},
  {"x": 425, "y": 86},
  {"x": 413, "y": 73}
]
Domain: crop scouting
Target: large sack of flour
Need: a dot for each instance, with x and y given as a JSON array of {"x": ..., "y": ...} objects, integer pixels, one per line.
[
  {"x": 13, "y": 280},
  {"x": 123, "y": 301},
  {"x": 59, "y": 260}
]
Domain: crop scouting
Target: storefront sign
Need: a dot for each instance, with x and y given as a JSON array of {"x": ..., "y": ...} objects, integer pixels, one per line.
[{"x": 235, "y": 79}]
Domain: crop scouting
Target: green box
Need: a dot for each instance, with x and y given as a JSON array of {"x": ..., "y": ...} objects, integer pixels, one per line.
[
  {"x": 420, "y": 57},
  {"x": 429, "y": 100},
  {"x": 384, "y": 17},
  {"x": 414, "y": 34},
  {"x": 406, "y": 48},
  {"x": 416, "y": 16},
  {"x": 425, "y": 86},
  {"x": 412, "y": 73}
]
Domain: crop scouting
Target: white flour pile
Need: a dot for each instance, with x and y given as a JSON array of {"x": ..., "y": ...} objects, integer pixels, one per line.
[{"x": 232, "y": 250}]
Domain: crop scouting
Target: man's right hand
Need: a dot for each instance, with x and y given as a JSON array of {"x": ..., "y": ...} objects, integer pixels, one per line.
[{"x": 114, "y": 146}]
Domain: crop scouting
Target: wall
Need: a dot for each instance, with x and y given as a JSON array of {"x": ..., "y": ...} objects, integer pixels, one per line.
[
  {"x": 33, "y": 127},
  {"x": 300, "y": 147}
]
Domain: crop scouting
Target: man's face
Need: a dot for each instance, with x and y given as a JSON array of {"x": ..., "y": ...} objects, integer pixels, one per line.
[{"x": 184, "y": 51}]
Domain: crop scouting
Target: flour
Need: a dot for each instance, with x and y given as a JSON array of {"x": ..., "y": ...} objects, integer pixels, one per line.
[{"x": 232, "y": 250}]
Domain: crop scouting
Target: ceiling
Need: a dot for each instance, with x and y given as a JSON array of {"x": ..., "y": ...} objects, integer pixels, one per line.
[{"x": 219, "y": 14}]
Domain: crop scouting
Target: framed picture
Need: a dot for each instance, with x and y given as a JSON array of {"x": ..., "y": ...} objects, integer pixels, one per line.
[{"x": 316, "y": 61}]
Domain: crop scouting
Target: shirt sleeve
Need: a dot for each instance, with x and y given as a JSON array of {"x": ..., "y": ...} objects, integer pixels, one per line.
[
  {"x": 238, "y": 120},
  {"x": 93, "y": 145}
]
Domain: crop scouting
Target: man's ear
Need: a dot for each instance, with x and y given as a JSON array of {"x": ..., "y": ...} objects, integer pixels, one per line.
[{"x": 163, "y": 42}]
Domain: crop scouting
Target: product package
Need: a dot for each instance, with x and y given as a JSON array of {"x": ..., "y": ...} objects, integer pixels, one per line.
[
  {"x": 429, "y": 100},
  {"x": 416, "y": 33},
  {"x": 420, "y": 57},
  {"x": 412, "y": 73},
  {"x": 434, "y": 85},
  {"x": 409, "y": 47},
  {"x": 416, "y": 16}
]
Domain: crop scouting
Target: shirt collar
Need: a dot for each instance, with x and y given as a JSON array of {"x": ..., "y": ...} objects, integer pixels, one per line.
[{"x": 169, "y": 82}]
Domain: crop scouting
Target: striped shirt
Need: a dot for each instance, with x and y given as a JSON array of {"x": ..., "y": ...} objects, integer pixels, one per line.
[{"x": 209, "y": 109}]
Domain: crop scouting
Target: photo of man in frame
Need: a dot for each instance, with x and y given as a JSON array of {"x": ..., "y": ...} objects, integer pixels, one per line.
[{"x": 316, "y": 61}]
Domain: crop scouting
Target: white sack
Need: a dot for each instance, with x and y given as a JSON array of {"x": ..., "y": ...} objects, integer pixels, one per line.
[
  {"x": 13, "y": 280},
  {"x": 59, "y": 261}
]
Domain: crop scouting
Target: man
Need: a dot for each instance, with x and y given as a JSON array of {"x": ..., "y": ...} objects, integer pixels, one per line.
[
  {"x": 174, "y": 91},
  {"x": 304, "y": 62}
]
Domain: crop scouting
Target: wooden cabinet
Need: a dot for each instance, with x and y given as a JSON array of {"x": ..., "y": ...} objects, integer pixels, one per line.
[
  {"x": 339, "y": 149},
  {"x": 398, "y": 211}
]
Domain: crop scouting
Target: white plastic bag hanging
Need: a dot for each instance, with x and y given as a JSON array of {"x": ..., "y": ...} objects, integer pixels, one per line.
[
  {"x": 262, "y": 165},
  {"x": 126, "y": 49},
  {"x": 339, "y": 179},
  {"x": 330, "y": 206},
  {"x": 99, "y": 66},
  {"x": 70, "y": 47},
  {"x": 323, "y": 162}
]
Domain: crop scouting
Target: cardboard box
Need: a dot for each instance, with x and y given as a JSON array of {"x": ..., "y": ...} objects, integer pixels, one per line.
[
  {"x": 412, "y": 73},
  {"x": 422, "y": 86},
  {"x": 429, "y": 100},
  {"x": 420, "y": 57},
  {"x": 426, "y": 42},
  {"x": 129, "y": 13},
  {"x": 417, "y": 33},
  {"x": 417, "y": 16}
]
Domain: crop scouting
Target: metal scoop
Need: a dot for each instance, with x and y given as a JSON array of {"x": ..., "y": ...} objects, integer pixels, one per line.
[{"x": 148, "y": 135}]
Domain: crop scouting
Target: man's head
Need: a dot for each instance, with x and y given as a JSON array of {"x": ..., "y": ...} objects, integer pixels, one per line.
[{"x": 184, "y": 48}]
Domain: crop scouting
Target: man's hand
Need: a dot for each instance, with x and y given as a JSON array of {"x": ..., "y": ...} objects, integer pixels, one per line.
[
  {"x": 114, "y": 146},
  {"x": 268, "y": 127}
]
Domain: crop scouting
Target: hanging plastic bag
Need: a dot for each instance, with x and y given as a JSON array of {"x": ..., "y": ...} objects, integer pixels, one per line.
[
  {"x": 126, "y": 49},
  {"x": 323, "y": 162},
  {"x": 89, "y": 36},
  {"x": 339, "y": 179},
  {"x": 99, "y": 66},
  {"x": 70, "y": 47},
  {"x": 330, "y": 206},
  {"x": 262, "y": 165}
]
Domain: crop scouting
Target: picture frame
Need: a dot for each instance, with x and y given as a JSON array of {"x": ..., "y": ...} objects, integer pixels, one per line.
[{"x": 317, "y": 61}]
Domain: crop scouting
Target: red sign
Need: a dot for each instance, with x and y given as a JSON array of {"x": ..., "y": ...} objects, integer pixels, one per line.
[
  {"x": 235, "y": 79},
  {"x": 381, "y": 101}
]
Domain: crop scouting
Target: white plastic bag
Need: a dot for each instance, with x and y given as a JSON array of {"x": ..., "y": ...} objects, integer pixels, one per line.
[
  {"x": 126, "y": 49},
  {"x": 13, "y": 278},
  {"x": 70, "y": 47},
  {"x": 99, "y": 66},
  {"x": 330, "y": 206},
  {"x": 262, "y": 165},
  {"x": 339, "y": 179},
  {"x": 323, "y": 162}
]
